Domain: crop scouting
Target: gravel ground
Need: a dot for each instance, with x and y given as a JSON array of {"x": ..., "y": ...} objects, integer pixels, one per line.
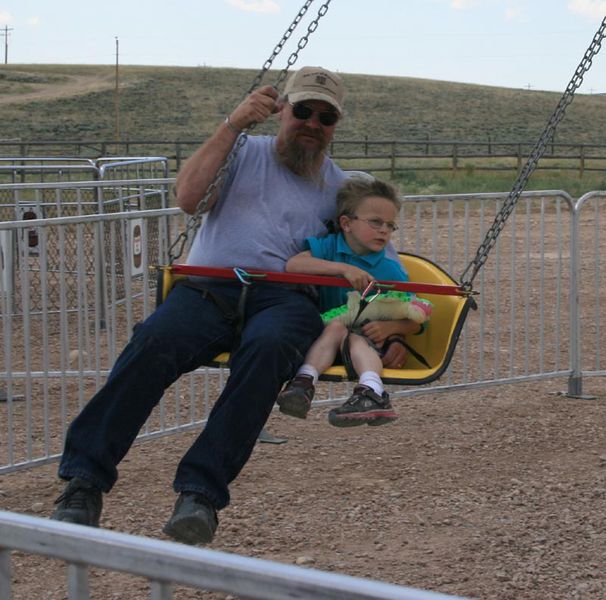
[{"x": 497, "y": 493}]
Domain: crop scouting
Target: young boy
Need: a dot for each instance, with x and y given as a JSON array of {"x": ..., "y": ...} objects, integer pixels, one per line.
[{"x": 366, "y": 214}]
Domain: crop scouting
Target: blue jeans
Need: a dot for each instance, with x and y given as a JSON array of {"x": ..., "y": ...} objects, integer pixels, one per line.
[{"x": 186, "y": 331}]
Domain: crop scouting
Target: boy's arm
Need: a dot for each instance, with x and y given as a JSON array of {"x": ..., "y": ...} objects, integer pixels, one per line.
[
  {"x": 304, "y": 262},
  {"x": 379, "y": 331}
]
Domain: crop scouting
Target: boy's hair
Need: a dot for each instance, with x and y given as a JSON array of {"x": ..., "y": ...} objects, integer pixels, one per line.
[{"x": 356, "y": 189}]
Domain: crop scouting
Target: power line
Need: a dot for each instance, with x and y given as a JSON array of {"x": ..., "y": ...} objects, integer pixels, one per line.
[{"x": 5, "y": 33}]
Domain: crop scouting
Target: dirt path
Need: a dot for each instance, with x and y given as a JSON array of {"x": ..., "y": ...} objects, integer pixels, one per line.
[{"x": 68, "y": 86}]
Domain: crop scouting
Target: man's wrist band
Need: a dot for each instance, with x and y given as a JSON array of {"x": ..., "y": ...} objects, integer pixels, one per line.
[{"x": 231, "y": 126}]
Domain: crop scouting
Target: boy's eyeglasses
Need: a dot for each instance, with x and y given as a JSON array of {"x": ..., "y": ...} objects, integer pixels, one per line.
[
  {"x": 377, "y": 224},
  {"x": 303, "y": 112}
]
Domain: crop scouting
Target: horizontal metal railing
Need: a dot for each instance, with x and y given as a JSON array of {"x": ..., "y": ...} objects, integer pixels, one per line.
[
  {"x": 30, "y": 169},
  {"x": 167, "y": 563}
]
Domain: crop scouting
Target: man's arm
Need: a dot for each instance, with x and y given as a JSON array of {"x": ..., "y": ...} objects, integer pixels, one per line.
[{"x": 201, "y": 168}]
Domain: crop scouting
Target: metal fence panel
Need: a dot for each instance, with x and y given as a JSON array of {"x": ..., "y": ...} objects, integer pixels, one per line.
[
  {"x": 65, "y": 314},
  {"x": 523, "y": 287},
  {"x": 64, "y": 321},
  {"x": 55, "y": 252}
]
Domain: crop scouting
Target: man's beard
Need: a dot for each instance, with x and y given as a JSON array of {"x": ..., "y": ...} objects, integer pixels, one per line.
[{"x": 305, "y": 162}]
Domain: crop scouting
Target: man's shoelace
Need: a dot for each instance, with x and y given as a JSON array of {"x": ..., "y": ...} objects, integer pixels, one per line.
[{"x": 73, "y": 498}]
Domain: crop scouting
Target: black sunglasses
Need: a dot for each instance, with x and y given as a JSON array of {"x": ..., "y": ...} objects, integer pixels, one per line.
[{"x": 304, "y": 112}]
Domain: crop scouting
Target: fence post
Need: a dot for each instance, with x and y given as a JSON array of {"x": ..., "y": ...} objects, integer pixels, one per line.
[
  {"x": 5, "y": 573},
  {"x": 519, "y": 157},
  {"x": 581, "y": 161},
  {"x": 365, "y": 145},
  {"x": 77, "y": 581},
  {"x": 575, "y": 381},
  {"x": 393, "y": 159},
  {"x": 23, "y": 149},
  {"x": 100, "y": 282},
  {"x": 455, "y": 157},
  {"x": 178, "y": 156}
]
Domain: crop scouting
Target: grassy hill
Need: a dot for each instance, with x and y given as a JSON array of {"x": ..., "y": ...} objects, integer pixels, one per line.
[{"x": 67, "y": 102}]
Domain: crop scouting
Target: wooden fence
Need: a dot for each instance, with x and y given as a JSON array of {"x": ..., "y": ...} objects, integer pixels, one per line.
[{"x": 370, "y": 155}]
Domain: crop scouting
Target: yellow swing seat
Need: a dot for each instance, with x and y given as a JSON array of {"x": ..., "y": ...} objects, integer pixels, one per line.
[{"x": 436, "y": 344}]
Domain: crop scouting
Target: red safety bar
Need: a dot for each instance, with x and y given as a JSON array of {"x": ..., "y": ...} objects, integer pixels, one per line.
[{"x": 300, "y": 278}]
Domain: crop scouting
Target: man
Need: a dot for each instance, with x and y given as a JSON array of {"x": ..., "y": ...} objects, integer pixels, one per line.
[{"x": 278, "y": 191}]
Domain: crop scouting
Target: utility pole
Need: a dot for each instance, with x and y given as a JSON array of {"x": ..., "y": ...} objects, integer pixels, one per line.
[
  {"x": 6, "y": 34},
  {"x": 117, "y": 95}
]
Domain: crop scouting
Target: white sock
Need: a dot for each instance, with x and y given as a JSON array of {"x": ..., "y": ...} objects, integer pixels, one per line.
[
  {"x": 307, "y": 369},
  {"x": 373, "y": 381}
]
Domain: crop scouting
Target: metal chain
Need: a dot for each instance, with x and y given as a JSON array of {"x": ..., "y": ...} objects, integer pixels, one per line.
[
  {"x": 292, "y": 59},
  {"x": 537, "y": 152},
  {"x": 278, "y": 48},
  {"x": 194, "y": 221}
]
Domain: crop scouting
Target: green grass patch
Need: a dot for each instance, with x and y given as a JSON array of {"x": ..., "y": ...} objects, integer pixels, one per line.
[{"x": 467, "y": 182}]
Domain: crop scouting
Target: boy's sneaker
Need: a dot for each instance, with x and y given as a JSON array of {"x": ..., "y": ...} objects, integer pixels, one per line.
[
  {"x": 80, "y": 503},
  {"x": 295, "y": 399},
  {"x": 194, "y": 520},
  {"x": 364, "y": 406}
]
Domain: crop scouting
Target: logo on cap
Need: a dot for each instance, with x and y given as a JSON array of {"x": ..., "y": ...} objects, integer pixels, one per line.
[{"x": 315, "y": 83}]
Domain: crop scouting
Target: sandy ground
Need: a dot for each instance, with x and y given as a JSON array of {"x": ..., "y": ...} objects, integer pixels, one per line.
[{"x": 497, "y": 493}]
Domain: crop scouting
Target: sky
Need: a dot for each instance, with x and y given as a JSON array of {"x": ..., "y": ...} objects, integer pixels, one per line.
[{"x": 529, "y": 44}]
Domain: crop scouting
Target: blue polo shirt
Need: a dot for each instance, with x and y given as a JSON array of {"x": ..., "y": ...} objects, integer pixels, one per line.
[{"x": 334, "y": 247}]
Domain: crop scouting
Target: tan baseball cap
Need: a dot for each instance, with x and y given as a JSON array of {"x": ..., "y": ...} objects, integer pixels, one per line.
[{"x": 315, "y": 83}]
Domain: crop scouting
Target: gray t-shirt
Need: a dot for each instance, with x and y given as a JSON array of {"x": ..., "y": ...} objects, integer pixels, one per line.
[{"x": 264, "y": 212}]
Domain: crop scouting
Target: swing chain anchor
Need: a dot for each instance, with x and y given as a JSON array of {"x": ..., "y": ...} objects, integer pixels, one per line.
[
  {"x": 176, "y": 249},
  {"x": 365, "y": 297},
  {"x": 467, "y": 289},
  {"x": 537, "y": 152},
  {"x": 244, "y": 277}
]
